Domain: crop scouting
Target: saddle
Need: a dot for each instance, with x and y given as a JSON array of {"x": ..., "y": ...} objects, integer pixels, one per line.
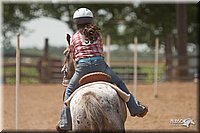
[
  {"x": 97, "y": 78},
  {"x": 93, "y": 77}
]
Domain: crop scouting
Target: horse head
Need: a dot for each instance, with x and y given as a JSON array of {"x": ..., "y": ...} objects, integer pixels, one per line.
[{"x": 68, "y": 67}]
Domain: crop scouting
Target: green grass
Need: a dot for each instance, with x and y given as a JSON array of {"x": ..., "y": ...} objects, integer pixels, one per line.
[
  {"x": 24, "y": 71},
  {"x": 143, "y": 69},
  {"x": 150, "y": 73},
  {"x": 30, "y": 71}
]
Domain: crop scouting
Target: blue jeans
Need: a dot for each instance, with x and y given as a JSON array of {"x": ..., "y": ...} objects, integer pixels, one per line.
[{"x": 100, "y": 66}]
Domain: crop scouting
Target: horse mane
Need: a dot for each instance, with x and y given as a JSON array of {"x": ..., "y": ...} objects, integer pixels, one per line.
[
  {"x": 94, "y": 113},
  {"x": 69, "y": 65}
]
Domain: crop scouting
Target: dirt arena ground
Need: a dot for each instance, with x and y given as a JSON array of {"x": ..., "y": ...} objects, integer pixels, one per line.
[{"x": 40, "y": 106}]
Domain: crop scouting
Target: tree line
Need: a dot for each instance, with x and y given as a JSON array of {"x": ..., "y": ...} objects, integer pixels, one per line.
[{"x": 121, "y": 21}]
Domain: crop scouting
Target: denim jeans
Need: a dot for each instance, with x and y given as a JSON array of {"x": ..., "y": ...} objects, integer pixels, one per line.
[{"x": 99, "y": 66}]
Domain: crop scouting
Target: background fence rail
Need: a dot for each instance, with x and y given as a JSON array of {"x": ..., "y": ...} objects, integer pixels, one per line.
[{"x": 45, "y": 69}]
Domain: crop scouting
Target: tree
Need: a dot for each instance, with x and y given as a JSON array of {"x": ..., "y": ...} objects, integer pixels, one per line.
[
  {"x": 181, "y": 22},
  {"x": 121, "y": 21}
]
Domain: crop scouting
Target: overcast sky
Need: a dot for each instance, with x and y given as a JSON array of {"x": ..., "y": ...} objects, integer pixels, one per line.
[
  {"x": 42, "y": 28},
  {"x": 55, "y": 31}
]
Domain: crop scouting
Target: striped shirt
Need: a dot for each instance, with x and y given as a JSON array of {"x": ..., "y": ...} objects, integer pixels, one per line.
[{"x": 81, "y": 48}]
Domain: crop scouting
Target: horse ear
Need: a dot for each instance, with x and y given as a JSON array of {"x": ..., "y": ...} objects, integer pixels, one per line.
[{"x": 68, "y": 39}]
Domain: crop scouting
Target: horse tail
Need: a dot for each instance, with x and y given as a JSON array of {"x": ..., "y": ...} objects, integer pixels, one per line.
[{"x": 94, "y": 112}]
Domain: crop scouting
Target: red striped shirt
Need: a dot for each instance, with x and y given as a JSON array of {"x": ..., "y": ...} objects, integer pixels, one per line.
[{"x": 83, "y": 49}]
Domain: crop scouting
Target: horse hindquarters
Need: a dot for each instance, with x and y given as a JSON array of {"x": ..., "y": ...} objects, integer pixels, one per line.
[
  {"x": 97, "y": 108},
  {"x": 94, "y": 112}
]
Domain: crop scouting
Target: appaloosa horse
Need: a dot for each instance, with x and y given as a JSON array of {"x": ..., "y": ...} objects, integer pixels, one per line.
[{"x": 97, "y": 105}]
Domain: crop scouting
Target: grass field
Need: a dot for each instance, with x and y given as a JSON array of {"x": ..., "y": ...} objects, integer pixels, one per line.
[
  {"x": 24, "y": 71},
  {"x": 127, "y": 69}
]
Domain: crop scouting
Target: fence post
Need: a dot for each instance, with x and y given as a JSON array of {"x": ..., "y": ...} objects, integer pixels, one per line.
[
  {"x": 17, "y": 79},
  {"x": 135, "y": 66},
  {"x": 45, "y": 72},
  {"x": 156, "y": 69},
  {"x": 108, "y": 49},
  {"x": 168, "y": 54}
]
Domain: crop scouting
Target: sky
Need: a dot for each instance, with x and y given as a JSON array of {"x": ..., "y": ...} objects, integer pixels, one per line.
[
  {"x": 42, "y": 28},
  {"x": 54, "y": 30}
]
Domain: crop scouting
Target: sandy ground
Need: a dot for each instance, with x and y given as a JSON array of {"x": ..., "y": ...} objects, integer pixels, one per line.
[{"x": 40, "y": 106}]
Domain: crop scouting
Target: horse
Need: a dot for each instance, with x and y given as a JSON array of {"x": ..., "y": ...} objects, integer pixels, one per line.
[{"x": 96, "y": 105}]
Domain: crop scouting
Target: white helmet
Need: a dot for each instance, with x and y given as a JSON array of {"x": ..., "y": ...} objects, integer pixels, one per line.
[{"x": 82, "y": 16}]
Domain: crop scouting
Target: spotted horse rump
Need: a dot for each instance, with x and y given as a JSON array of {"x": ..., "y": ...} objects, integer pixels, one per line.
[{"x": 98, "y": 106}]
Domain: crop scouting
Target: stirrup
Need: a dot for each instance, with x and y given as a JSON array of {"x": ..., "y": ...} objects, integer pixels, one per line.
[{"x": 60, "y": 130}]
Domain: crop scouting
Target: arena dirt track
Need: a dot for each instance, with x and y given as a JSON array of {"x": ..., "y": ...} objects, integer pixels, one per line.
[{"x": 40, "y": 106}]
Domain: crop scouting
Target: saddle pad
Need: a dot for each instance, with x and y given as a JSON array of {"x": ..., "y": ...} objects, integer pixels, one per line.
[{"x": 125, "y": 97}]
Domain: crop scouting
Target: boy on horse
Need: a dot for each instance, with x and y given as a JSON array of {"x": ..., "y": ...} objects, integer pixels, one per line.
[{"x": 87, "y": 48}]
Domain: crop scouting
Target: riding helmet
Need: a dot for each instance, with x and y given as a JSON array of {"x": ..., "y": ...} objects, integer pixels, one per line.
[{"x": 82, "y": 16}]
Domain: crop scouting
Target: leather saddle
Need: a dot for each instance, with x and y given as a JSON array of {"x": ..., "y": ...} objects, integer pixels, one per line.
[
  {"x": 93, "y": 77},
  {"x": 98, "y": 77}
]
